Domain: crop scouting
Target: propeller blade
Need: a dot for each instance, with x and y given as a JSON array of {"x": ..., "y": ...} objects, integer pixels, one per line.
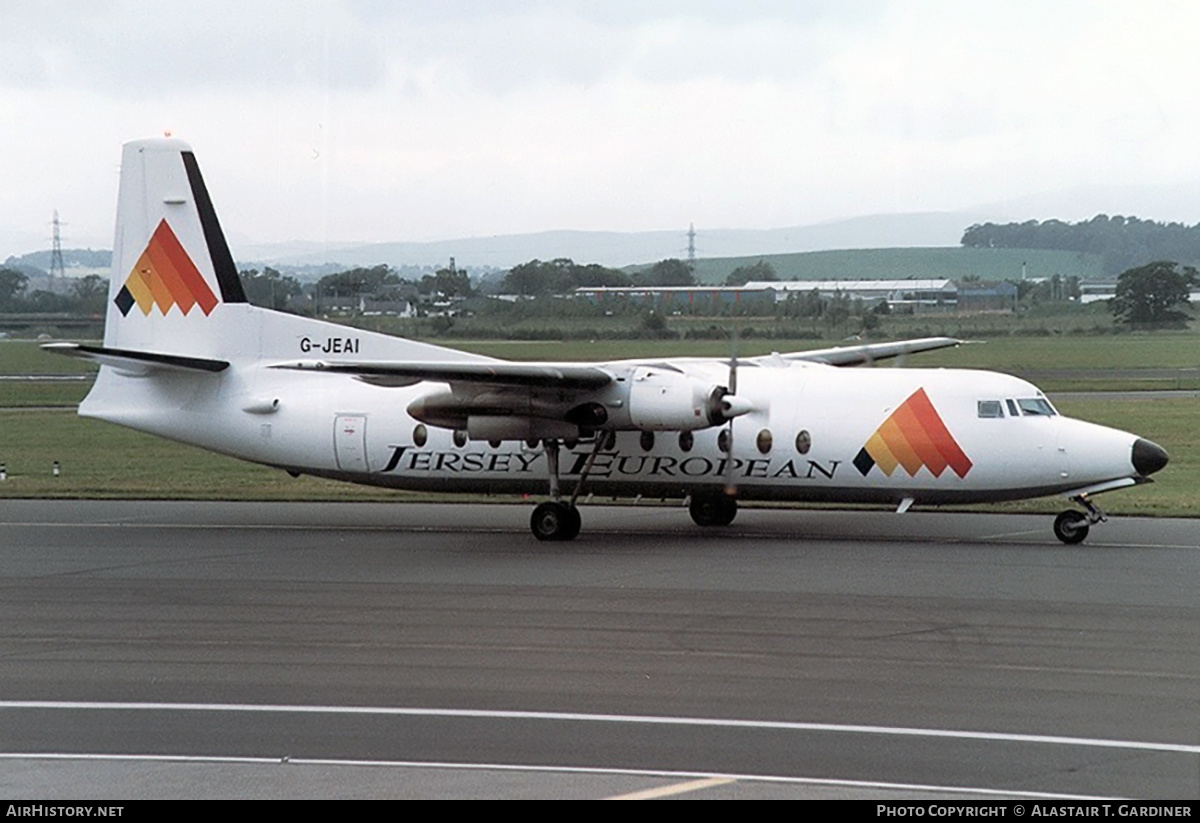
[
  {"x": 729, "y": 401},
  {"x": 730, "y": 484}
]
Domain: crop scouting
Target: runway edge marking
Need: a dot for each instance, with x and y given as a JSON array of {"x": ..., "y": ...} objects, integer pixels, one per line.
[
  {"x": 509, "y": 767},
  {"x": 897, "y": 731}
]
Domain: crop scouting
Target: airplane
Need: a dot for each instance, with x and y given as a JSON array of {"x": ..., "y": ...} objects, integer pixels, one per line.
[{"x": 187, "y": 357}]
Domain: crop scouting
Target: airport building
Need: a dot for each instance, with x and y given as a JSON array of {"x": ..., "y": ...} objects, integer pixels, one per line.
[
  {"x": 679, "y": 298},
  {"x": 917, "y": 294}
]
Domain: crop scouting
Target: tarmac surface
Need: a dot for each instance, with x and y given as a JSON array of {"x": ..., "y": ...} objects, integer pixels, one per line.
[{"x": 204, "y": 650}]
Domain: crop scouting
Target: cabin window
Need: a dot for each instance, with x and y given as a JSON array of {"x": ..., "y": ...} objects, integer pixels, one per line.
[
  {"x": 495, "y": 444},
  {"x": 460, "y": 438},
  {"x": 1036, "y": 407},
  {"x": 990, "y": 408},
  {"x": 647, "y": 441},
  {"x": 686, "y": 441},
  {"x": 532, "y": 442},
  {"x": 803, "y": 441},
  {"x": 765, "y": 441},
  {"x": 723, "y": 440},
  {"x": 420, "y": 435},
  {"x": 1012, "y": 409}
]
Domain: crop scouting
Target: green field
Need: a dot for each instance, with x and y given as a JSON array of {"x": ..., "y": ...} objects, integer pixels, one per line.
[
  {"x": 25, "y": 357},
  {"x": 1170, "y": 422},
  {"x": 1163, "y": 350},
  {"x": 102, "y": 460},
  {"x": 1179, "y": 350}
]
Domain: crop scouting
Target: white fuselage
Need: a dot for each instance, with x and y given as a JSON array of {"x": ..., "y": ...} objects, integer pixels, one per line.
[{"x": 814, "y": 432}]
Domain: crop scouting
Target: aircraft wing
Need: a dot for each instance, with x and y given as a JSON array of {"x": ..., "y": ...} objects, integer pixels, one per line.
[
  {"x": 136, "y": 362},
  {"x": 869, "y": 352},
  {"x": 580, "y": 376},
  {"x": 533, "y": 375}
]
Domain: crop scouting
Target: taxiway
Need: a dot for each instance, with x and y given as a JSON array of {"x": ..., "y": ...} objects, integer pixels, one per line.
[{"x": 258, "y": 650}]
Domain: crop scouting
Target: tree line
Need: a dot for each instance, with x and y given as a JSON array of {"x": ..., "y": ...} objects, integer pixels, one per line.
[
  {"x": 563, "y": 276},
  {"x": 84, "y": 296},
  {"x": 1121, "y": 242}
]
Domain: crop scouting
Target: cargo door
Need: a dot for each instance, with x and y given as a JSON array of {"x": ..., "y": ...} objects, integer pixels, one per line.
[{"x": 350, "y": 442}]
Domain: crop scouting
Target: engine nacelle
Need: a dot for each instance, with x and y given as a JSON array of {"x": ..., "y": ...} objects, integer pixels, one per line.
[
  {"x": 486, "y": 427},
  {"x": 665, "y": 400}
]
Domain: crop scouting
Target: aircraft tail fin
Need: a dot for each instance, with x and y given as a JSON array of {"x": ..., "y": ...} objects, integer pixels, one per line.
[{"x": 171, "y": 267}]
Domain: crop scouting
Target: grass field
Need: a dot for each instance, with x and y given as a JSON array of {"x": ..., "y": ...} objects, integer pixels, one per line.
[
  {"x": 26, "y": 357},
  {"x": 1158, "y": 350},
  {"x": 42, "y": 393},
  {"x": 1166, "y": 350},
  {"x": 101, "y": 460},
  {"x": 1003, "y": 353}
]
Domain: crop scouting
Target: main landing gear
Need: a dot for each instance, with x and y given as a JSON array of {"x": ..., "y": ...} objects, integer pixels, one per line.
[
  {"x": 1072, "y": 527},
  {"x": 559, "y": 519},
  {"x": 712, "y": 509},
  {"x": 556, "y": 519}
]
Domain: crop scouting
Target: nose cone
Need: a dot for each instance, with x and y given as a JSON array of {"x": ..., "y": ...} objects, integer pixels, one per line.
[{"x": 1148, "y": 457}]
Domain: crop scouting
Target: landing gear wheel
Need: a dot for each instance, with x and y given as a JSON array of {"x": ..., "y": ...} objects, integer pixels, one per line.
[
  {"x": 555, "y": 520},
  {"x": 712, "y": 509},
  {"x": 1071, "y": 526}
]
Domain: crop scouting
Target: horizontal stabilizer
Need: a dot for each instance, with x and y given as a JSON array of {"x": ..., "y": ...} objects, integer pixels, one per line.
[
  {"x": 136, "y": 362},
  {"x": 556, "y": 375}
]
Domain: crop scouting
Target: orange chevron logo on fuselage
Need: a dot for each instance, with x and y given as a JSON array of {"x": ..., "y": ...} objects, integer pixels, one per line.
[
  {"x": 165, "y": 276},
  {"x": 913, "y": 436}
]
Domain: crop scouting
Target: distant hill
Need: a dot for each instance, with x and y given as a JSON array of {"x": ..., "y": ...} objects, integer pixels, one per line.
[
  {"x": 719, "y": 252},
  {"x": 627, "y": 248},
  {"x": 72, "y": 258}
]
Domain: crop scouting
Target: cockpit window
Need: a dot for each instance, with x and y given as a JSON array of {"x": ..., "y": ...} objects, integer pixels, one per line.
[
  {"x": 990, "y": 408},
  {"x": 1035, "y": 407}
]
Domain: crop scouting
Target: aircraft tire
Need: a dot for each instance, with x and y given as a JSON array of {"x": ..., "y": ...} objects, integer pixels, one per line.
[
  {"x": 555, "y": 520},
  {"x": 1071, "y": 527},
  {"x": 712, "y": 509}
]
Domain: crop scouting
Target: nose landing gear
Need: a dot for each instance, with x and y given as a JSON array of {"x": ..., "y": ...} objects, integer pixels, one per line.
[{"x": 1072, "y": 527}]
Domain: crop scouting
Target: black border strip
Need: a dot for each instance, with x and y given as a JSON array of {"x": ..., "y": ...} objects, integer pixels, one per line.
[{"x": 218, "y": 249}]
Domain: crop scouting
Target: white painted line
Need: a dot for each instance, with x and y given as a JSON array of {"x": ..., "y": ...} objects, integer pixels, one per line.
[
  {"x": 509, "y": 767},
  {"x": 385, "y": 711},
  {"x": 676, "y": 789}
]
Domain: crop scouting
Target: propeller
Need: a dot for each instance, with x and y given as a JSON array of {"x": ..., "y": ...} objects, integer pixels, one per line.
[{"x": 731, "y": 404}]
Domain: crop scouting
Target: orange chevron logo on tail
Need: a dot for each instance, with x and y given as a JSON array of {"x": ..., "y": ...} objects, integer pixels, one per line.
[
  {"x": 165, "y": 276},
  {"x": 913, "y": 436}
]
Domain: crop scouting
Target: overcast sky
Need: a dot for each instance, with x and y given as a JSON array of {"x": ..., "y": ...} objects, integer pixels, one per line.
[{"x": 383, "y": 121}]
